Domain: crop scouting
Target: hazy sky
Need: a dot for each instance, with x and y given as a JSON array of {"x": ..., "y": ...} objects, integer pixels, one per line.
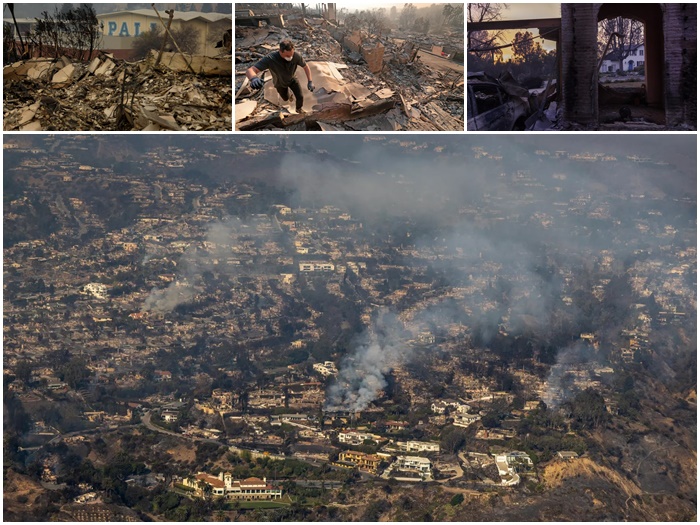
[
  {"x": 363, "y": 4},
  {"x": 525, "y": 11}
]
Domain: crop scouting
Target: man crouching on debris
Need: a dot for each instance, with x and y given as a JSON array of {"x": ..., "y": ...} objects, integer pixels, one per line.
[{"x": 283, "y": 65}]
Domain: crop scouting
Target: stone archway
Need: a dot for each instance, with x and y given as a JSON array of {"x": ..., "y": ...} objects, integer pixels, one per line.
[
  {"x": 651, "y": 15},
  {"x": 670, "y": 58}
]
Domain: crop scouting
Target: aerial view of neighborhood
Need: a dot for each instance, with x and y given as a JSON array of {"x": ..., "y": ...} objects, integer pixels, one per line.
[{"x": 349, "y": 328}]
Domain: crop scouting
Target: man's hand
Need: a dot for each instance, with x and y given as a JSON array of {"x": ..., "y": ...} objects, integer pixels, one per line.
[
  {"x": 310, "y": 86},
  {"x": 256, "y": 83}
]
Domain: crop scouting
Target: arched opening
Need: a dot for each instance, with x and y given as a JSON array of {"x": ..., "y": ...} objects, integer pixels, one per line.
[{"x": 631, "y": 62}]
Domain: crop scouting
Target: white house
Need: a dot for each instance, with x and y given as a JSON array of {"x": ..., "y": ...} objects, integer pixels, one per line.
[
  {"x": 169, "y": 416},
  {"x": 97, "y": 290},
  {"x": 616, "y": 61},
  {"x": 224, "y": 485},
  {"x": 355, "y": 438},
  {"x": 439, "y": 407},
  {"x": 415, "y": 463},
  {"x": 507, "y": 465},
  {"x": 514, "y": 458},
  {"x": 418, "y": 446},
  {"x": 464, "y": 420},
  {"x": 316, "y": 266}
]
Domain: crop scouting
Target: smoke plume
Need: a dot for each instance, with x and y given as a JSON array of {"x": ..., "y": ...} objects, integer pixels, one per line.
[
  {"x": 579, "y": 359},
  {"x": 362, "y": 374},
  {"x": 220, "y": 239}
]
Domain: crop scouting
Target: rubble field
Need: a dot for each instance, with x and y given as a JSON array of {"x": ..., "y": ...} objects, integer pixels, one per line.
[
  {"x": 107, "y": 94},
  {"x": 403, "y": 93}
]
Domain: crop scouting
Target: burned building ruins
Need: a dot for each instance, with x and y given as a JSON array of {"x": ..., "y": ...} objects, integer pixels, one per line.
[
  {"x": 127, "y": 78},
  {"x": 588, "y": 88},
  {"x": 364, "y": 80}
]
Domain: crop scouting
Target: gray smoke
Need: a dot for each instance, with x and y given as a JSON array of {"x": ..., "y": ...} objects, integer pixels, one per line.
[
  {"x": 164, "y": 300},
  {"x": 219, "y": 240},
  {"x": 514, "y": 260},
  {"x": 362, "y": 374},
  {"x": 578, "y": 359}
]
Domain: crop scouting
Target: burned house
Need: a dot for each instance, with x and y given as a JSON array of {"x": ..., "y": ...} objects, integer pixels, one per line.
[
  {"x": 363, "y": 81},
  {"x": 670, "y": 51},
  {"x": 659, "y": 94}
]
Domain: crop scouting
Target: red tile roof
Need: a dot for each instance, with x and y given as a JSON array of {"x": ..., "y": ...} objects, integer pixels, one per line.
[{"x": 212, "y": 480}]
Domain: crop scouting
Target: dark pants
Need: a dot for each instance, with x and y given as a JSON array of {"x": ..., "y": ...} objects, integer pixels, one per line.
[{"x": 296, "y": 89}]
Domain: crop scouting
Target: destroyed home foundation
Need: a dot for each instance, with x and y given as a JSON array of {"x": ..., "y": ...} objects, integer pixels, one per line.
[{"x": 363, "y": 82}]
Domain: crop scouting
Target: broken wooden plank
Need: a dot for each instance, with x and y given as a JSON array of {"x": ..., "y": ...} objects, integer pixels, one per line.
[
  {"x": 441, "y": 118},
  {"x": 165, "y": 121},
  {"x": 273, "y": 119},
  {"x": 329, "y": 127},
  {"x": 332, "y": 112},
  {"x": 385, "y": 93},
  {"x": 244, "y": 109},
  {"x": 378, "y": 107},
  {"x": 243, "y": 86},
  {"x": 406, "y": 106}
]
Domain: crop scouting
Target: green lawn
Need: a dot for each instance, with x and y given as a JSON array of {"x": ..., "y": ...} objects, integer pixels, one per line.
[{"x": 249, "y": 505}]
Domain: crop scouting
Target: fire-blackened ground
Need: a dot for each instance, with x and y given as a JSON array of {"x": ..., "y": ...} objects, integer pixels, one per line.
[
  {"x": 108, "y": 94},
  {"x": 414, "y": 88}
]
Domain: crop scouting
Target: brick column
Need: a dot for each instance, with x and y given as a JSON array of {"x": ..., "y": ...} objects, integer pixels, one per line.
[
  {"x": 680, "y": 46},
  {"x": 579, "y": 62}
]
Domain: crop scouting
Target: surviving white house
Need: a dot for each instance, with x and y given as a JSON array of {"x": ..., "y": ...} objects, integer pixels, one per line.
[
  {"x": 224, "y": 485},
  {"x": 464, "y": 420},
  {"x": 418, "y": 446},
  {"x": 509, "y": 464},
  {"x": 622, "y": 61},
  {"x": 169, "y": 416},
  {"x": 438, "y": 407},
  {"x": 413, "y": 464},
  {"x": 316, "y": 266},
  {"x": 514, "y": 459},
  {"x": 355, "y": 438}
]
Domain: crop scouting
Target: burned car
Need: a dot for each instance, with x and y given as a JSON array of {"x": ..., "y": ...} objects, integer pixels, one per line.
[{"x": 495, "y": 106}]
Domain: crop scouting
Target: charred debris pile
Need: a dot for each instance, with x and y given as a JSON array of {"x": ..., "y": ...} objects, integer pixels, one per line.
[
  {"x": 363, "y": 83},
  {"x": 181, "y": 92}
]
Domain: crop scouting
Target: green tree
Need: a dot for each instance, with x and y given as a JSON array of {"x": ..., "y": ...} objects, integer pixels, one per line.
[
  {"x": 23, "y": 370},
  {"x": 457, "y": 499},
  {"x": 75, "y": 373},
  {"x": 587, "y": 409},
  {"x": 452, "y": 440},
  {"x": 526, "y": 48},
  {"x": 70, "y": 31}
]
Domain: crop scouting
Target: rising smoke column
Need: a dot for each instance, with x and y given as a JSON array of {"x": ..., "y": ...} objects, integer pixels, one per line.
[
  {"x": 362, "y": 374},
  {"x": 164, "y": 300},
  {"x": 219, "y": 240},
  {"x": 579, "y": 356}
]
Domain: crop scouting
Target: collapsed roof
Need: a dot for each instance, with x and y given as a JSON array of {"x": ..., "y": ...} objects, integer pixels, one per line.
[{"x": 108, "y": 94}]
